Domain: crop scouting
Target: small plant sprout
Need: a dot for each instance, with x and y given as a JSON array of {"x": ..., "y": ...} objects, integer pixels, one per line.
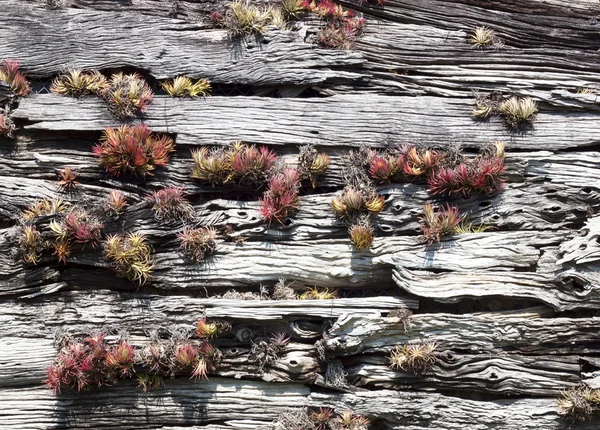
[
  {"x": 293, "y": 9},
  {"x": 41, "y": 207},
  {"x": 127, "y": 94},
  {"x": 579, "y": 403},
  {"x": 207, "y": 330},
  {"x": 131, "y": 256},
  {"x": 116, "y": 202},
  {"x": 66, "y": 178},
  {"x": 242, "y": 18},
  {"x": 281, "y": 201},
  {"x": 375, "y": 205},
  {"x": 198, "y": 243},
  {"x": 11, "y": 74},
  {"x": 361, "y": 236},
  {"x": 186, "y": 355},
  {"x": 316, "y": 293},
  {"x": 421, "y": 162},
  {"x": 182, "y": 86},
  {"x": 82, "y": 228},
  {"x": 170, "y": 205},
  {"x": 347, "y": 420},
  {"x": 414, "y": 358},
  {"x": 31, "y": 245},
  {"x": 132, "y": 150},
  {"x": 150, "y": 382},
  {"x": 7, "y": 126},
  {"x": 350, "y": 202},
  {"x": 435, "y": 225},
  {"x": 312, "y": 164},
  {"x": 518, "y": 112},
  {"x": 483, "y": 37},
  {"x": 322, "y": 418},
  {"x": 482, "y": 109},
  {"x": 120, "y": 360},
  {"x": 78, "y": 83},
  {"x": 279, "y": 339}
]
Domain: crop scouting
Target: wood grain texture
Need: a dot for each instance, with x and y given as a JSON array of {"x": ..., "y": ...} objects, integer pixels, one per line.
[
  {"x": 343, "y": 120},
  {"x": 410, "y": 80},
  {"x": 164, "y": 47}
]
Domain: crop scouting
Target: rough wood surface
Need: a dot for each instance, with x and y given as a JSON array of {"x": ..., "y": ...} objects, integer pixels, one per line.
[
  {"x": 513, "y": 309},
  {"x": 341, "y": 120}
]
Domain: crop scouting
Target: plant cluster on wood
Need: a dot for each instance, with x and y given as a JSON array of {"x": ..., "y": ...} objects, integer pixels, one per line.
[
  {"x": 95, "y": 361},
  {"x": 517, "y": 112},
  {"x": 447, "y": 174},
  {"x": 340, "y": 30},
  {"x": 323, "y": 418}
]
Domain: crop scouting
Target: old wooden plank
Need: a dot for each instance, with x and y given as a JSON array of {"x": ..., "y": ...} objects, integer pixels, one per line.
[
  {"x": 162, "y": 46},
  {"x": 137, "y": 312},
  {"x": 506, "y": 374},
  {"x": 474, "y": 333},
  {"x": 182, "y": 403},
  {"x": 418, "y": 411},
  {"x": 342, "y": 120},
  {"x": 216, "y": 405}
]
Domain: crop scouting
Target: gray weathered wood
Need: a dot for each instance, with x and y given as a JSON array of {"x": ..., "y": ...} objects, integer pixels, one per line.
[{"x": 341, "y": 120}]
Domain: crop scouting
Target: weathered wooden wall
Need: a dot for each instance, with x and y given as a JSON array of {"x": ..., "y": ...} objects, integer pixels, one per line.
[{"x": 514, "y": 309}]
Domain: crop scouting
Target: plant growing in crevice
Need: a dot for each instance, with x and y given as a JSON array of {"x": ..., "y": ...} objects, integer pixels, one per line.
[
  {"x": 127, "y": 95},
  {"x": 182, "y": 86},
  {"x": 283, "y": 291},
  {"x": 66, "y": 178},
  {"x": 341, "y": 28},
  {"x": 483, "y": 175},
  {"x": 266, "y": 351},
  {"x": 518, "y": 111},
  {"x": 355, "y": 207},
  {"x": 115, "y": 202},
  {"x": 82, "y": 364},
  {"x": 293, "y": 9},
  {"x": 361, "y": 234},
  {"x": 484, "y": 37},
  {"x": 240, "y": 18},
  {"x": 579, "y": 403},
  {"x": 198, "y": 243},
  {"x": 403, "y": 164},
  {"x": 10, "y": 72},
  {"x": 280, "y": 200},
  {"x": 348, "y": 420},
  {"x": 312, "y": 164},
  {"x": 81, "y": 227},
  {"x": 47, "y": 206},
  {"x": 7, "y": 126},
  {"x": 414, "y": 358},
  {"x": 239, "y": 164},
  {"x": 130, "y": 255},
  {"x": 436, "y": 224},
  {"x": 322, "y": 418},
  {"x": 78, "y": 83},
  {"x": 170, "y": 205},
  {"x": 208, "y": 329},
  {"x": 31, "y": 245},
  {"x": 316, "y": 293},
  {"x": 133, "y": 150}
]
